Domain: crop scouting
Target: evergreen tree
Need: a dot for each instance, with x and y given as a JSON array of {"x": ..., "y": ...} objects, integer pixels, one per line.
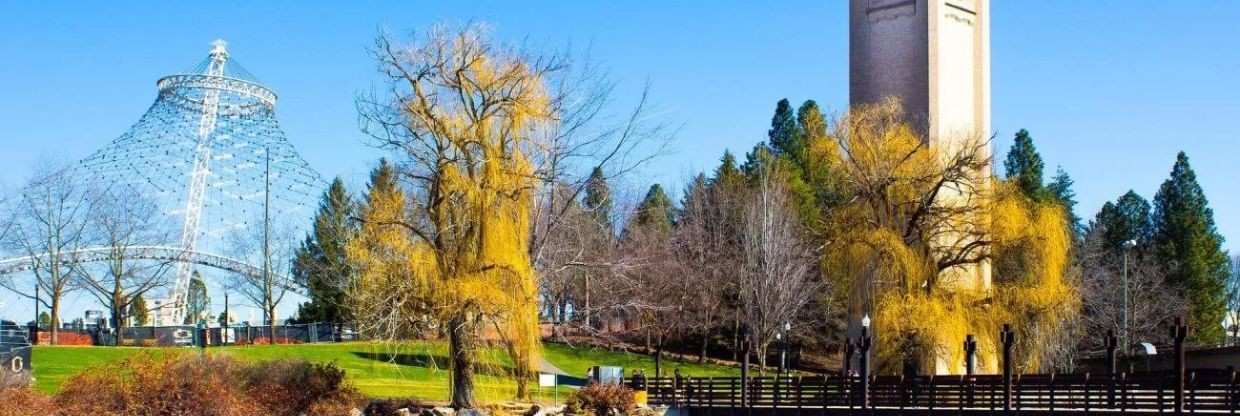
[
  {"x": 755, "y": 158},
  {"x": 784, "y": 136},
  {"x": 321, "y": 265},
  {"x": 1061, "y": 189},
  {"x": 727, "y": 169},
  {"x": 137, "y": 311},
  {"x": 198, "y": 303},
  {"x": 1188, "y": 244},
  {"x": 1024, "y": 165},
  {"x": 598, "y": 199},
  {"x": 1126, "y": 219},
  {"x": 656, "y": 212}
]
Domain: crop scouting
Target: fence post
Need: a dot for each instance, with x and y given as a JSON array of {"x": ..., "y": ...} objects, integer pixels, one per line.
[
  {"x": 1232, "y": 400},
  {"x": 745, "y": 368},
  {"x": 1008, "y": 338},
  {"x": 865, "y": 367},
  {"x": 1112, "y": 365},
  {"x": 970, "y": 365},
  {"x": 1178, "y": 333},
  {"x": 676, "y": 388}
]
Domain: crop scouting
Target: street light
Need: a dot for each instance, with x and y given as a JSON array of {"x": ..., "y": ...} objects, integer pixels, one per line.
[
  {"x": 782, "y": 337},
  {"x": 1128, "y": 245}
]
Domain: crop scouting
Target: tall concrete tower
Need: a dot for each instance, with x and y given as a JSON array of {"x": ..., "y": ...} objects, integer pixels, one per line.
[{"x": 932, "y": 54}]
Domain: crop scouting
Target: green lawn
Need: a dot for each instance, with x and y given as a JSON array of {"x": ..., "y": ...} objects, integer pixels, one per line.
[{"x": 414, "y": 369}]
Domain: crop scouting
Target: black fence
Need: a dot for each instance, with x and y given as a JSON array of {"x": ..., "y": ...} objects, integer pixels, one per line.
[
  {"x": 1180, "y": 390},
  {"x": 1205, "y": 391},
  {"x": 190, "y": 335},
  {"x": 15, "y": 354}
]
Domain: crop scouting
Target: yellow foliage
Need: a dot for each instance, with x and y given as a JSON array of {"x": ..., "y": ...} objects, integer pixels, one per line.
[
  {"x": 922, "y": 215},
  {"x": 474, "y": 110}
]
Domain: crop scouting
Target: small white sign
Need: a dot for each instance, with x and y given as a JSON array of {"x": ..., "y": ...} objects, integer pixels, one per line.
[{"x": 546, "y": 380}]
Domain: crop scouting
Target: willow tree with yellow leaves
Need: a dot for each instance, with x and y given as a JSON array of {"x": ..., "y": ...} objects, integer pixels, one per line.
[
  {"x": 914, "y": 244},
  {"x": 465, "y": 115}
]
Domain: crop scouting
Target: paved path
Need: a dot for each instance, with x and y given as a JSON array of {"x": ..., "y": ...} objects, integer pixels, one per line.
[{"x": 545, "y": 366}]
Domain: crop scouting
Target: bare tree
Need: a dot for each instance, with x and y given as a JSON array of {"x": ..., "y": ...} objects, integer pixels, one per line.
[
  {"x": 120, "y": 222},
  {"x": 1151, "y": 306},
  {"x": 707, "y": 254},
  {"x": 48, "y": 226},
  {"x": 776, "y": 279},
  {"x": 270, "y": 245}
]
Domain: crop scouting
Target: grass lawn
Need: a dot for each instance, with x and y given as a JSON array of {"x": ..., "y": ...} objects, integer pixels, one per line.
[{"x": 414, "y": 369}]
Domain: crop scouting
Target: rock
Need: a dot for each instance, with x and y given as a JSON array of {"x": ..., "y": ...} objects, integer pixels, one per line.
[
  {"x": 471, "y": 412},
  {"x": 533, "y": 410},
  {"x": 404, "y": 411},
  {"x": 443, "y": 411},
  {"x": 356, "y": 412}
]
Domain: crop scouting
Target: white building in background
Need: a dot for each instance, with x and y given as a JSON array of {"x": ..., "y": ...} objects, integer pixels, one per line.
[{"x": 163, "y": 312}]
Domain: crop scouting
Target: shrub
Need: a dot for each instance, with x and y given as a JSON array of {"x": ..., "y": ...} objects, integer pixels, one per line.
[
  {"x": 169, "y": 384},
  {"x": 20, "y": 401},
  {"x": 601, "y": 399},
  {"x": 292, "y": 387},
  {"x": 192, "y": 385}
]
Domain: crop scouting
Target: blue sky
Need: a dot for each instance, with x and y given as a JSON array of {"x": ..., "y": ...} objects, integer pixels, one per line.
[{"x": 1109, "y": 89}]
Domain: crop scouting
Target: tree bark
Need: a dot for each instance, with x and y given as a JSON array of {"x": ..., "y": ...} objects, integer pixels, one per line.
[
  {"x": 55, "y": 324},
  {"x": 462, "y": 345},
  {"x": 705, "y": 344}
]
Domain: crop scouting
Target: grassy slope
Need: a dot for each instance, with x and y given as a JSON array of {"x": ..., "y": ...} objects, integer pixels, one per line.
[{"x": 416, "y": 369}]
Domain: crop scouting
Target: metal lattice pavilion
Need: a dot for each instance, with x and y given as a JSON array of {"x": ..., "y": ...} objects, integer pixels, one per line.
[{"x": 211, "y": 154}]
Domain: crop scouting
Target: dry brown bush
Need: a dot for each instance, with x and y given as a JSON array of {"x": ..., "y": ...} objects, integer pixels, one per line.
[
  {"x": 193, "y": 385},
  {"x": 24, "y": 402},
  {"x": 294, "y": 387},
  {"x": 601, "y": 399}
]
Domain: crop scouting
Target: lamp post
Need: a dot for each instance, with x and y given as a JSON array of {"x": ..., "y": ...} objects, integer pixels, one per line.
[
  {"x": 34, "y": 336},
  {"x": 864, "y": 348},
  {"x": 1128, "y": 245},
  {"x": 782, "y": 336}
]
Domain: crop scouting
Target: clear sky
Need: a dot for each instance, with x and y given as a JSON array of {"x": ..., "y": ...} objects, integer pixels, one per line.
[{"x": 1110, "y": 90}]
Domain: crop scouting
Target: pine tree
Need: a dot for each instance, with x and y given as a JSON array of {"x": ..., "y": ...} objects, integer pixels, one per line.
[
  {"x": 812, "y": 129},
  {"x": 137, "y": 311},
  {"x": 1125, "y": 220},
  {"x": 784, "y": 136},
  {"x": 727, "y": 169},
  {"x": 598, "y": 199},
  {"x": 1061, "y": 189},
  {"x": 198, "y": 302},
  {"x": 1188, "y": 244},
  {"x": 1024, "y": 165},
  {"x": 656, "y": 212},
  {"x": 321, "y": 264}
]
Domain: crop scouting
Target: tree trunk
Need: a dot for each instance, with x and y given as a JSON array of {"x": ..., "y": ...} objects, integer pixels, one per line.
[
  {"x": 736, "y": 337},
  {"x": 55, "y": 324},
  {"x": 271, "y": 323},
  {"x": 461, "y": 346},
  {"x": 705, "y": 344},
  {"x": 762, "y": 360},
  {"x": 118, "y": 307}
]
